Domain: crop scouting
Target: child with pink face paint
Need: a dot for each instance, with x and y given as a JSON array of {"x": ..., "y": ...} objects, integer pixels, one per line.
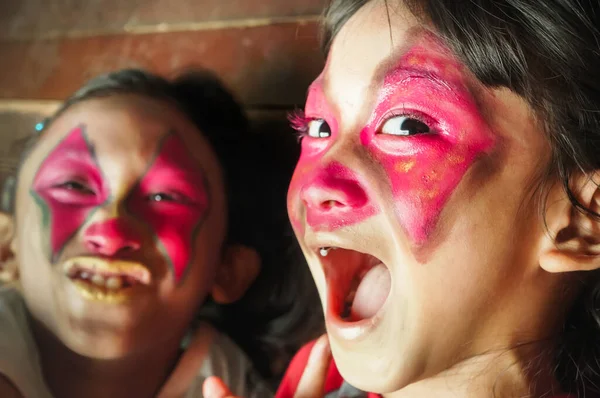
[
  {"x": 142, "y": 206},
  {"x": 447, "y": 201}
]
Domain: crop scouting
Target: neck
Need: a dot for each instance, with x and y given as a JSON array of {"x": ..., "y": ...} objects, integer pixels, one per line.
[
  {"x": 70, "y": 375},
  {"x": 524, "y": 372}
]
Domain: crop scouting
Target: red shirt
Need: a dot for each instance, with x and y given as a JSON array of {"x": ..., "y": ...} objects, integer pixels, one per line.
[{"x": 334, "y": 381}]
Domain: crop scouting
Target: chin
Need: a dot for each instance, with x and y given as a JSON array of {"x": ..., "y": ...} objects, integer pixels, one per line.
[
  {"x": 100, "y": 343},
  {"x": 375, "y": 370}
]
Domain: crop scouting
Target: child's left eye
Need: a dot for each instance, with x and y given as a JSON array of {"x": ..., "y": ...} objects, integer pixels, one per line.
[
  {"x": 167, "y": 197},
  {"x": 404, "y": 126}
]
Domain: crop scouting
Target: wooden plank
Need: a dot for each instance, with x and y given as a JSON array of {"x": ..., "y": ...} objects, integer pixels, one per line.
[
  {"x": 28, "y": 19},
  {"x": 268, "y": 65}
]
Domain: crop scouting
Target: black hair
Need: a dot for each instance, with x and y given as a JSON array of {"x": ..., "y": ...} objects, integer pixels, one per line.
[
  {"x": 547, "y": 52},
  {"x": 280, "y": 312}
]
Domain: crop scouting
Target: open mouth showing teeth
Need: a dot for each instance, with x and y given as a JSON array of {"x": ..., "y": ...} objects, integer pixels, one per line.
[
  {"x": 109, "y": 281},
  {"x": 103, "y": 279},
  {"x": 358, "y": 283}
]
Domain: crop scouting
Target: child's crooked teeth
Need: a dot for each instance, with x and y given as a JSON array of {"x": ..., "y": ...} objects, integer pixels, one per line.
[
  {"x": 98, "y": 280},
  {"x": 113, "y": 283}
]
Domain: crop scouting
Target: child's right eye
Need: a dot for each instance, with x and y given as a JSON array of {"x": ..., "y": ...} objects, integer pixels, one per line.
[
  {"x": 76, "y": 186},
  {"x": 319, "y": 128},
  {"x": 170, "y": 197}
]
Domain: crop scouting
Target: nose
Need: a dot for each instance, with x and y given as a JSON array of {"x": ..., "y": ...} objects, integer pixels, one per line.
[
  {"x": 332, "y": 195},
  {"x": 111, "y": 237}
]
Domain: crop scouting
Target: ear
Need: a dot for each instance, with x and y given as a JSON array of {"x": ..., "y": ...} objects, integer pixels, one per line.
[
  {"x": 8, "y": 264},
  {"x": 240, "y": 267},
  {"x": 575, "y": 234}
]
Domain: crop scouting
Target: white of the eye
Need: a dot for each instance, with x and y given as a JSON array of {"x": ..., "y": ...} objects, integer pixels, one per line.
[
  {"x": 393, "y": 126},
  {"x": 313, "y": 129}
]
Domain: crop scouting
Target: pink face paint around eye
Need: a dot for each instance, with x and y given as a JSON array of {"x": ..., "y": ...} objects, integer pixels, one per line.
[
  {"x": 175, "y": 222},
  {"x": 424, "y": 170},
  {"x": 65, "y": 209}
]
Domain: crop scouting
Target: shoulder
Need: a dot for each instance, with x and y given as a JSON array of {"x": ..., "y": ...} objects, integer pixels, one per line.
[
  {"x": 19, "y": 368},
  {"x": 292, "y": 376},
  {"x": 13, "y": 317}
]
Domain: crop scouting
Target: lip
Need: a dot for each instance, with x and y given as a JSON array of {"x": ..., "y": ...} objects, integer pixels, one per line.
[
  {"x": 136, "y": 274},
  {"x": 343, "y": 329}
]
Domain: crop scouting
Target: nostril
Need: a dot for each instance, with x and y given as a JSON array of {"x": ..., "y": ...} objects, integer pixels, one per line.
[
  {"x": 130, "y": 247},
  {"x": 331, "y": 204}
]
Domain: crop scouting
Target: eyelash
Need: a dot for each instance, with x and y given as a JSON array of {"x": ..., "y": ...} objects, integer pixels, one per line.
[
  {"x": 406, "y": 113},
  {"x": 421, "y": 117},
  {"x": 75, "y": 185},
  {"x": 299, "y": 122}
]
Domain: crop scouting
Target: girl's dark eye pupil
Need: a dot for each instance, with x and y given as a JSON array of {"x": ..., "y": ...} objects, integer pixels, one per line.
[
  {"x": 414, "y": 126},
  {"x": 324, "y": 128}
]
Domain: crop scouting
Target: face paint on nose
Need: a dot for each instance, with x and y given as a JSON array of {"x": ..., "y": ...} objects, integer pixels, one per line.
[
  {"x": 334, "y": 198},
  {"x": 68, "y": 187},
  {"x": 310, "y": 174},
  {"x": 172, "y": 199},
  {"x": 425, "y": 169}
]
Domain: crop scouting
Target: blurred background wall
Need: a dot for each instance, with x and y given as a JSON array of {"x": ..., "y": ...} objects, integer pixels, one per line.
[{"x": 265, "y": 50}]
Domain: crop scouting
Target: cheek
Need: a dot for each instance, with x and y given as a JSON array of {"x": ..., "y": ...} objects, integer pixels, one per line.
[
  {"x": 175, "y": 228},
  {"x": 64, "y": 212},
  {"x": 421, "y": 185},
  {"x": 175, "y": 225},
  {"x": 423, "y": 181}
]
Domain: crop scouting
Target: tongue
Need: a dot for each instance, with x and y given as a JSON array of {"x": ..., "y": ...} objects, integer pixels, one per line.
[{"x": 371, "y": 293}]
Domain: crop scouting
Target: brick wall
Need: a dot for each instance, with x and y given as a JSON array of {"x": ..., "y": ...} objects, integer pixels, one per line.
[{"x": 265, "y": 50}]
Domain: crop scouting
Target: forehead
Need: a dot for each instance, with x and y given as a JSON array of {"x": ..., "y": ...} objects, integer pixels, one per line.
[
  {"x": 373, "y": 42},
  {"x": 123, "y": 129}
]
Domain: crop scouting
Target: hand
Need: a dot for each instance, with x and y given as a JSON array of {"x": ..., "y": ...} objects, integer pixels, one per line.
[
  {"x": 312, "y": 382},
  {"x": 214, "y": 387}
]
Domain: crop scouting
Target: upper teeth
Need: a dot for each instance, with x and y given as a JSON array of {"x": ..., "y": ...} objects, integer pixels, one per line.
[
  {"x": 324, "y": 251},
  {"x": 111, "y": 282}
]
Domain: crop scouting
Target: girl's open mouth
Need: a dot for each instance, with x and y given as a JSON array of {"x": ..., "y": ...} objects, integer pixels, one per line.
[{"x": 358, "y": 283}]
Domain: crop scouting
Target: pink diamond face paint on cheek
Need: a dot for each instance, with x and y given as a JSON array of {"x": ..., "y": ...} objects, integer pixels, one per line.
[
  {"x": 172, "y": 199},
  {"x": 68, "y": 187},
  {"x": 425, "y": 169}
]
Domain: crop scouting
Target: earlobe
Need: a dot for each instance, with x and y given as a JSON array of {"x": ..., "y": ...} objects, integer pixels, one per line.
[
  {"x": 8, "y": 263},
  {"x": 575, "y": 234},
  {"x": 240, "y": 267}
]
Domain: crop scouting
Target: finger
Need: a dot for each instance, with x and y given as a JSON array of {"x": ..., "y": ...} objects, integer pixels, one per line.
[
  {"x": 312, "y": 382},
  {"x": 214, "y": 387}
]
